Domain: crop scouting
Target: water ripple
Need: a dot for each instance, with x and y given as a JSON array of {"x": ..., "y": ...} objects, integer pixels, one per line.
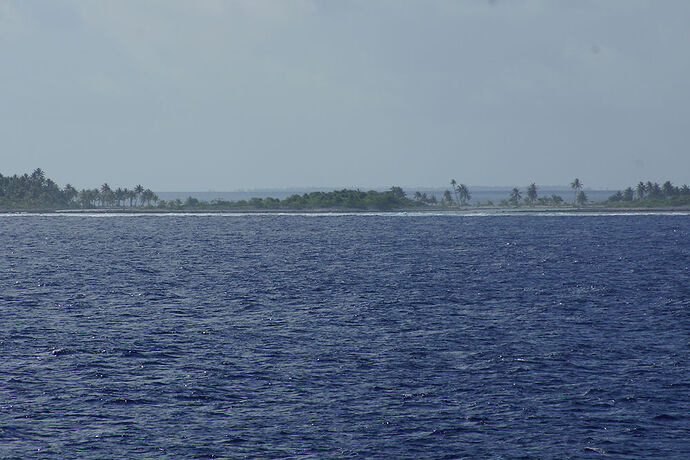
[{"x": 382, "y": 336}]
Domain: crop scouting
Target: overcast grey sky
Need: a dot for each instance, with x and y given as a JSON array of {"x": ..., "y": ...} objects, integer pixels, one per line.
[{"x": 220, "y": 95}]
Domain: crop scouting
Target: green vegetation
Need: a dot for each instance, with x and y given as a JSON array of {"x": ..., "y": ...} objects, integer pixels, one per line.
[
  {"x": 651, "y": 194},
  {"x": 576, "y": 185},
  {"x": 35, "y": 191},
  {"x": 105, "y": 197},
  {"x": 531, "y": 194},
  {"x": 462, "y": 193},
  {"x": 395, "y": 198},
  {"x": 424, "y": 198},
  {"x": 515, "y": 196},
  {"x": 531, "y": 198}
]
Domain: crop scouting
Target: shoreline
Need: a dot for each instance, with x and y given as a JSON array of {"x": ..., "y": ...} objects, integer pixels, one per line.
[{"x": 484, "y": 210}]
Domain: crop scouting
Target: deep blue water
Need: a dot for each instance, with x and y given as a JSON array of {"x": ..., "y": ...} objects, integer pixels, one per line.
[{"x": 345, "y": 336}]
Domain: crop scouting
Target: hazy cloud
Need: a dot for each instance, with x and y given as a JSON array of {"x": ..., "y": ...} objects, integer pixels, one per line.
[{"x": 228, "y": 94}]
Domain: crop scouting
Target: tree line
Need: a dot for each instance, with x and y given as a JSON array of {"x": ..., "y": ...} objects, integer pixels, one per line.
[
  {"x": 106, "y": 197},
  {"x": 461, "y": 196},
  {"x": 36, "y": 191},
  {"x": 652, "y": 194},
  {"x": 395, "y": 198}
]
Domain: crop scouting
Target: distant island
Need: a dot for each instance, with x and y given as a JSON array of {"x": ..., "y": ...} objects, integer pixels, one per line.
[{"x": 37, "y": 192}]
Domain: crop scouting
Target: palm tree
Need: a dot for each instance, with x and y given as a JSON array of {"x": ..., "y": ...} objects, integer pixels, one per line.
[
  {"x": 515, "y": 196},
  {"x": 88, "y": 197},
  {"x": 464, "y": 194},
  {"x": 654, "y": 190},
  {"x": 398, "y": 192},
  {"x": 454, "y": 186},
  {"x": 577, "y": 186},
  {"x": 38, "y": 175},
  {"x": 131, "y": 196},
  {"x": 119, "y": 196},
  {"x": 139, "y": 190},
  {"x": 640, "y": 190},
  {"x": 581, "y": 198},
  {"x": 447, "y": 199},
  {"x": 106, "y": 194},
  {"x": 628, "y": 194},
  {"x": 148, "y": 196},
  {"x": 532, "y": 193},
  {"x": 70, "y": 193},
  {"x": 669, "y": 190},
  {"x": 84, "y": 198}
]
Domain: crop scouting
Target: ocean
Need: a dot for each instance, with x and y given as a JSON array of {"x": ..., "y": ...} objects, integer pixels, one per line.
[{"x": 345, "y": 336}]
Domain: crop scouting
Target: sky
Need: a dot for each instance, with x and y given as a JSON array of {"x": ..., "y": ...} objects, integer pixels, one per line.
[{"x": 201, "y": 95}]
